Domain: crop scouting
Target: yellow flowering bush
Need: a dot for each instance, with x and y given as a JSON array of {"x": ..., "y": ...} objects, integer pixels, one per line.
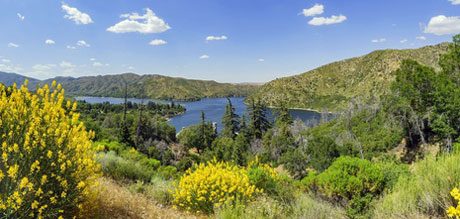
[
  {"x": 211, "y": 185},
  {"x": 48, "y": 168},
  {"x": 454, "y": 211}
]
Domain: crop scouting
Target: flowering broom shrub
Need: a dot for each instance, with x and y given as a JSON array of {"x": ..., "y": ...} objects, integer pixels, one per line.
[
  {"x": 454, "y": 211},
  {"x": 47, "y": 166},
  {"x": 210, "y": 185}
]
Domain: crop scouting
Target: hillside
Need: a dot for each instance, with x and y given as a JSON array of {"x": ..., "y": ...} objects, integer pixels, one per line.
[
  {"x": 332, "y": 86},
  {"x": 147, "y": 86},
  {"x": 9, "y": 79}
]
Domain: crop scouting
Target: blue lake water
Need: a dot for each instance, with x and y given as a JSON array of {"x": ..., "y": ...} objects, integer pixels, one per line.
[{"x": 214, "y": 109}]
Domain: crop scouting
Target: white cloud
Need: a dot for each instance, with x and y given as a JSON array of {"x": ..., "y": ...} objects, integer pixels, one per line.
[
  {"x": 40, "y": 67},
  {"x": 317, "y": 9},
  {"x": 216, "y": 38},
  {"x": 71, "y": 47},
  {"x": 455, "y": 2},
  {"x": 77, "y": 16},
  {"x": 13, "y": 45},
  {"x": 379, "y": 40},
  {"x": 65, "y": 64},
  {"x": 442, "y": 25},
  {"x": 420, "y": 38},
  {"x": 131, "y": 68},
  {"x": 48, "y": 41},
  {"x": 92, "y": 59},
  {"x": 147, "y": 23},
  {"x": 21, "y": 16},
  {"x": 98, "y": 64},
  {"x": 157, "y": 42},
  {"x": 6, "y": 60},
  {"x": 261, "y": 60},
  {"x": 204, "y": 57},
  {"x": 82, "y": 43},
  {"x": 318, "y": 21},
  {"x": 403, "y": 41}
]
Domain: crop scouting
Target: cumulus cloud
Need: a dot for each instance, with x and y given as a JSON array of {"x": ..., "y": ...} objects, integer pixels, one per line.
[
  {"x": 71, "y": 47},
  {"x": 261, "y": 60},
  {"x": 98, "y": 64},
  {"x": 455, "y": 2},
  {"x": 92, "y": 59},
  {"x": 48, "y": 41},
  {"x": 209, "y": 38},
  {"x": 403, "y": 41},
  {"x": 157, "y": 42},
  {"x": 147, "y": 23},
  {"x": 442, "y": 25},
  {"x": 318, "y": 21},
  {"x": 420, "y": 38},
  {"x": 379, "y": 40},
  {"x": 83, "y": 43},
  {"x": 317, "y": 9},
  {"x": 65, "y": 64},
  {"x": 204, "y": 57},
  {"x": 77, "y": 16},
  {"x": 21, "y": 16},
  {"x": 6, "y": 60},
  {"x": 13, "y": 45}
]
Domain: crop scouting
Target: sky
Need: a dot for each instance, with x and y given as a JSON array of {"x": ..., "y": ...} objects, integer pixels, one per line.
[{"x": 222, "y": 40}]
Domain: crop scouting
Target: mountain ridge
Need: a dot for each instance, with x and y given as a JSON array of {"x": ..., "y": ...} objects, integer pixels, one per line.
[
  {"x": 330, "y": 87},
  {"x": 152, "y": 86}
]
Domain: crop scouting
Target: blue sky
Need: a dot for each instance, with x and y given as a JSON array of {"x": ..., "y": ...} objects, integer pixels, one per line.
[{"x": 222, "y": 40}]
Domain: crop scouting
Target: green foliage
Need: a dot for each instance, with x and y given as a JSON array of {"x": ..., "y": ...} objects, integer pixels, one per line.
[
  {"x": 425, "y": 192},
  {"x": 322, "y": 151},
  {"x": 230, "y": 121},
  {"x": 304, "y": 206},
  {"x": 258, "y": 122},
  {"x": 353, "y": 181},
  {"x": 199, "y": 136},
  {"x": 120, "y": 168}
]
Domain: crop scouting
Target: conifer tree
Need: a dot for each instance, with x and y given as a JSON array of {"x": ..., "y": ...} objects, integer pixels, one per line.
[
  {"x": 230, "y": 121},
  {"x": 258, "y": 122}
]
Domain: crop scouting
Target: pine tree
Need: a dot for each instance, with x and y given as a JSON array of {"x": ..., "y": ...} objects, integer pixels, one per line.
[
  {"x": 258, "y": 122},
  {"x": 230, "y": 121}
]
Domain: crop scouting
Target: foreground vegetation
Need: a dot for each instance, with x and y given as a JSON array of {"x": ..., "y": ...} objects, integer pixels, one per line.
[{"x": 394, "y": 156}]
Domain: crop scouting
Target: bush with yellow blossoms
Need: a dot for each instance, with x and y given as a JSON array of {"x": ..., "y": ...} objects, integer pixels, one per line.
[
  {"x": 454, "y": 211},
  {"x": 48, "y": 168},
  {"x": 208, "y": 186}
]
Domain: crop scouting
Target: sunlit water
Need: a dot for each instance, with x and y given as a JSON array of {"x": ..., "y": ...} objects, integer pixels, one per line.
[{"x": 214, "y": 109}]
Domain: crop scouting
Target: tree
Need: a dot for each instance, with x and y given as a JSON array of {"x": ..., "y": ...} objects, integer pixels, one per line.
[
  {"x": 230, "y": 121},
  {"x": 258, "y": 123}
]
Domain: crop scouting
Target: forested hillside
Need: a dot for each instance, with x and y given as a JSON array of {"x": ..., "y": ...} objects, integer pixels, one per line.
[
  {"x": 146, "y": 86},
  {"x": 332, "y": 86}
]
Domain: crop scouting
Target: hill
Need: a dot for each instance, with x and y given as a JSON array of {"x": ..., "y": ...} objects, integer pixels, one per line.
[
  {"x": 147, "y": 86},
  {"x": 9, "y": 79},
  {"x": 332, "y": 86}
]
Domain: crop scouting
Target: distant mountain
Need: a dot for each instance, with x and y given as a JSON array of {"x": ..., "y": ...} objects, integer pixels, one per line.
[
  {"x": 332, "y": 86},
  {"x": 146, "y": 86},
  {"x": 9, "y": 79}
]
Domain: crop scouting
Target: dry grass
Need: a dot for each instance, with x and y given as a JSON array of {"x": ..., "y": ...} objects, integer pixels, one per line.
[{"x": 116, "y": 201}]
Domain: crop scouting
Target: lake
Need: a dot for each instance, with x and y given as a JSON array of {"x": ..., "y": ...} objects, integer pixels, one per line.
[{"x": 214, "y": 109}]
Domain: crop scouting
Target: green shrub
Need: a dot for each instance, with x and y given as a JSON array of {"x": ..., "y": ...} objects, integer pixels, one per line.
[
  {"x": 120, "y": 168},
  {"x": 168, "y": 171},
  {"x": 263, "y": 179},
  {"x": 352, "y": 181}
]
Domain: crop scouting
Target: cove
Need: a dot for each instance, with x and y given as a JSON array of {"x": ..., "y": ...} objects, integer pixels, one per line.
[{"x": 214, "y": 109}]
